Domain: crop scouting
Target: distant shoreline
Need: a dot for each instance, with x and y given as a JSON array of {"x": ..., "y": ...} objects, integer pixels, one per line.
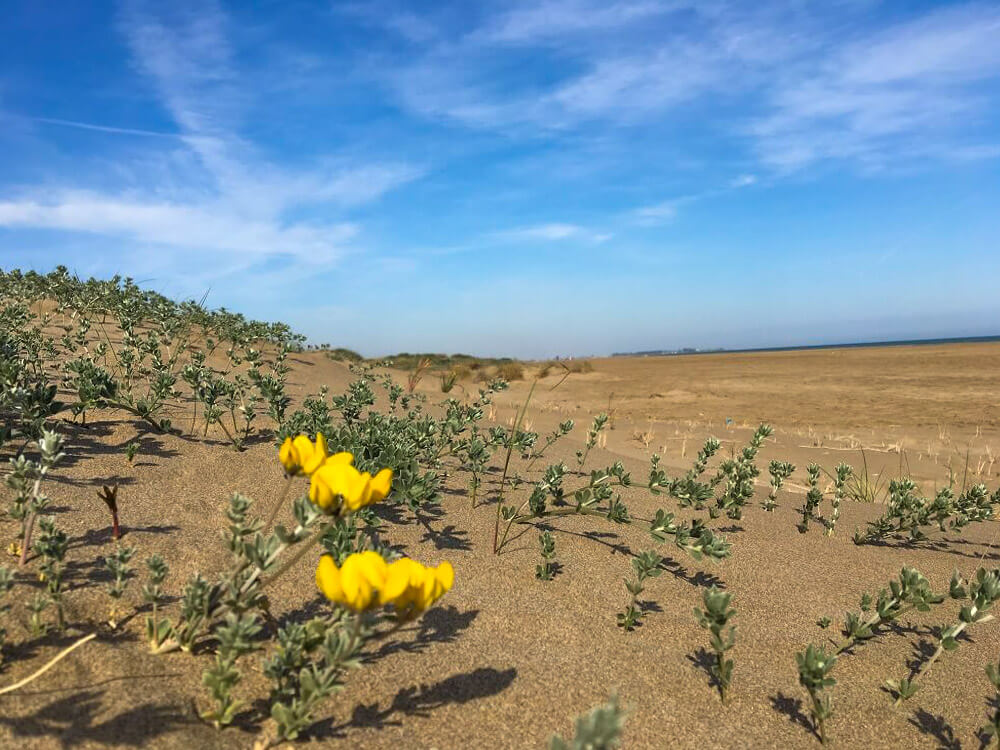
[{"x": 810, "y": 347}]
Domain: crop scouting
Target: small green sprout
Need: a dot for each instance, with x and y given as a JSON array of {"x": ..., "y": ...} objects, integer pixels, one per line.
[
  {"x": 600, "y": 729},
  {"x": 779, "y": 471},
  {"x": 715, "y": 616},
  {"x": 131, "y": 451},
  {"x": 815, "y": 666},
  {"x": 157, "y": 629},
  {"x": 646, "y": 565},
  {"x": 117, "y": 565},
  {"x": 546, "y": 570}
]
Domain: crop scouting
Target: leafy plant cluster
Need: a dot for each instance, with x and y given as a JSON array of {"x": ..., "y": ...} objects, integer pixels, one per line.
[
  {"x": 910, "y": 591},
  {"x": 108, "y": 344},
  {"x": 910, "y": 515}
]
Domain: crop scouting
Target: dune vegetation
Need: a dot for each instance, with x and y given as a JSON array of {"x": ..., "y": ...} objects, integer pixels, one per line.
[{"x": 184, "y": 497}]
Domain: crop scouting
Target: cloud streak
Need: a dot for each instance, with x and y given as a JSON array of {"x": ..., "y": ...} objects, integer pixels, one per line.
[
  {"x": 806, "y": 88},
  {"x": 223, "y": 195},
  {"x": 552, "y": 232}
]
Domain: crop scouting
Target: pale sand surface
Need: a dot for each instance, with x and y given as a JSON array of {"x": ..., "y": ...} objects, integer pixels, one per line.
[{"x": 507, "y": 659}]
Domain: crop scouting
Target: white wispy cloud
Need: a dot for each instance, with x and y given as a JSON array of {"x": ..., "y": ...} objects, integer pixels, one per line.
[
  {"x": 213, "y": 189},
  {"x": 530, "y": 22},
  {"x": 552, "y": 232},
  {"x": 657, "y": 213},
  {"x": 666, "y": 211},
  {"x": 806, "y": 85},
  {"x": 96, "y": 127},
  {"x": 608, "y": 65},
  {"x": 187, "y": 226},
  {"x": 906, "y": 89}
]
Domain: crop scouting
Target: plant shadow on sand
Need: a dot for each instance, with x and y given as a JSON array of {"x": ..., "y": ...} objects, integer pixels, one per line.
[
  {"x": 86, "y": 442},
  {"x": 792, "y": 708},
  {"x": 704, "y": 660},
  {"x": 421, "y": 700},
  {"x": 936, "y": 727},
  {"x": 72, "y": 721},
  {"x": 945, "y": 546},
  {"x": 448, "y": 537},
  {"x": 440, "y": 625}
]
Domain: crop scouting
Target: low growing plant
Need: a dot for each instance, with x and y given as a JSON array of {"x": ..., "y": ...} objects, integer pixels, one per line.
[
  {"x": 546, "y": 570},
  {"x": 910, "y": 515},
  {"x": 715, "y": 616},
  {"x": 739, "y": 474},
  {"x": 779, "y": 471},
  {"x": 813, "y": 499},
  {"x": 117, "y": 565},
  {"x": 982, "y": 592},
  {"x": 600, "y": 729},
  {"x": 842, "y": 474},
  {"x": 910, "y": 591},
  {"x": 25, "y": 479},
  {"x": 51, "y": 547},
  {"x": 646, "y": 565},
  {"x": 815, "y": 665},
  {"x": 157, "y": 628},
  {"x": 992, "y": 728}
]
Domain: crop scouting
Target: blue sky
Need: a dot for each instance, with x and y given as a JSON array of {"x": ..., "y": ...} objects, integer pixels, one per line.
[{"x": 522, "y": 178}]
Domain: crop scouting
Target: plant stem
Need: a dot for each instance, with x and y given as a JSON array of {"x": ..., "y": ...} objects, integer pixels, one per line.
[
  {"x": 277, "y": 505},
  {"x": 51, "y": 663},
  {"x": 308, "y": 545},
  {"x": 26, "y": 539},
  {"x": 872, "y": 622},
  {"x": 519, "y": 517},
  {"x": 506, "y": 466},
  {"x": 959, "y": 629}
]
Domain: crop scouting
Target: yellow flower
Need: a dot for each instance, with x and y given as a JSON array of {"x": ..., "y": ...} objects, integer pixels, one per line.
[
  {"x": 400, "y": 576},
  {"x": 365, "y": 580},
  {"x": 301, "y": 456},
  {"x": 356, "y": 583},
  {"x": 336, "y": 483},
  {"x": 413, "y": 588}
]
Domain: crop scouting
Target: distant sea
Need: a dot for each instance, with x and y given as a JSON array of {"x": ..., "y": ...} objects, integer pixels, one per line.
[{"x": 849, "y": 345}]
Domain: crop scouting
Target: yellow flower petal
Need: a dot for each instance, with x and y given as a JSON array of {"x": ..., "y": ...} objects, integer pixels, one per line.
[
  {"x": 286, "y": 456},
  {"x": 397, "y": 580},
  {"x": 328, "y": 579},
  {"x": 380, "y": 485},
  {"x": 299, "y": 456},
  {"x": 446, "y": 575},
  {"x": 322, "y": 488},
  {"x": 361, "y": 575},
  {"x": 372, "y": 566},
  {"x": 355, "y": 488}
]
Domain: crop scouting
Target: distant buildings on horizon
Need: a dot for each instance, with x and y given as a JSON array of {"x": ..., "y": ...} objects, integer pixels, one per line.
[{"x": 850, "y": 345}]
